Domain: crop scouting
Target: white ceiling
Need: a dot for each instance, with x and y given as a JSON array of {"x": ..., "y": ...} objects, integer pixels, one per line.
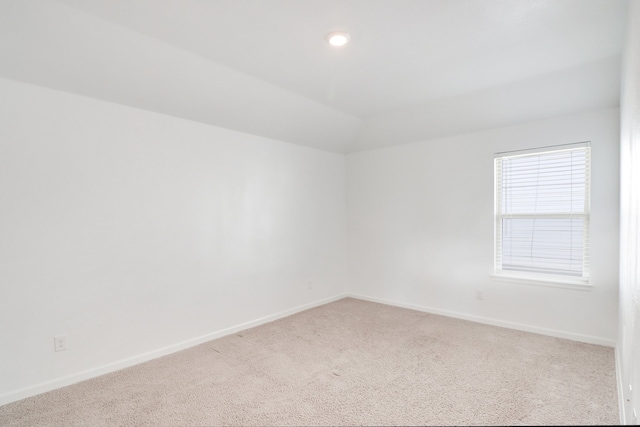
[{"x": 415, "y": 69}]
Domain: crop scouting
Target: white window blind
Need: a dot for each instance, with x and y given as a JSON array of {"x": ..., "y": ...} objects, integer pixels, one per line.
[{"x": 542, "y": 212}]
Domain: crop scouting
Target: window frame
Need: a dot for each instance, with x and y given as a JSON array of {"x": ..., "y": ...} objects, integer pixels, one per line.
[{"x": 582, "y": 282}]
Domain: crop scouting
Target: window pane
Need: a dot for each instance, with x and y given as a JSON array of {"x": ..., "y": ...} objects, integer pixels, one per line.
[
  {"x": 552, "y": 182},
  {"x": 543, "y": 245}
]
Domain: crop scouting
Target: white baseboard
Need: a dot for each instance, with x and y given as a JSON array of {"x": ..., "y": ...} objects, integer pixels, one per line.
[
  {"x": 494, "y": 322},
  {"x": 620, "y": 383},
  {"x": 144, "y": 357},
  {"x": 134, "y": 360}
]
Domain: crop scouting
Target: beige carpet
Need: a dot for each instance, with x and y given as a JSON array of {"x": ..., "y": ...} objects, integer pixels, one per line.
[{"x": 350, "y": 362}]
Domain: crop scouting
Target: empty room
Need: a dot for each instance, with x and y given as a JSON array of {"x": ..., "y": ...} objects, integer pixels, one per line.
[{"x": 319, "y": 212}]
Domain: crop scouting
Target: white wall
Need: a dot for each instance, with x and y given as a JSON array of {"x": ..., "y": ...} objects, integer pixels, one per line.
[
  {"x": 629, "y": 332},
  {"x": 131, "y": 232},
  {"x": 420, "y": 229}
]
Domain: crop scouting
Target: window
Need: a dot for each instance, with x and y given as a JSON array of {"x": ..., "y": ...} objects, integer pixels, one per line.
[{"x": 542, "y": 213}]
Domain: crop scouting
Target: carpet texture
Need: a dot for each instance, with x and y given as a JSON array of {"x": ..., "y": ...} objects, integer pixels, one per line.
[{"x": 350, "y": 362}]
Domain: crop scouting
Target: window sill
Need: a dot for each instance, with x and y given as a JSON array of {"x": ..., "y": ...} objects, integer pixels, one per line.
[{"x": 543, "y": 281}]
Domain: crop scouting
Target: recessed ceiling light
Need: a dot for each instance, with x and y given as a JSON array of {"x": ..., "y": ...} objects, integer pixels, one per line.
[{"x": 338, "y": 38}]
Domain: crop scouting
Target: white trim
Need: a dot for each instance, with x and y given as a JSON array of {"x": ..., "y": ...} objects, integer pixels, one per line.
[
  {"x": 494, "y": 322},
  {"x": 144, "y": 357},
  {"x": 135, "y": 360},
  {"x": 550, "y": 282},
  {"x": 620, "y": 384}
]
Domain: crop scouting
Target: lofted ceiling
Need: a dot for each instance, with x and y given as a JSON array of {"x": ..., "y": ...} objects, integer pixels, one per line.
[{"x": 414, "y": 69}]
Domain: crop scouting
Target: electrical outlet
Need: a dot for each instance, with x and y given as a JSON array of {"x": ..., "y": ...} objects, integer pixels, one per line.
[
  {"x": 60, "y": 343},
  {"x": 309, "y": 285},
  {"x": 479, "y": 295}
]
